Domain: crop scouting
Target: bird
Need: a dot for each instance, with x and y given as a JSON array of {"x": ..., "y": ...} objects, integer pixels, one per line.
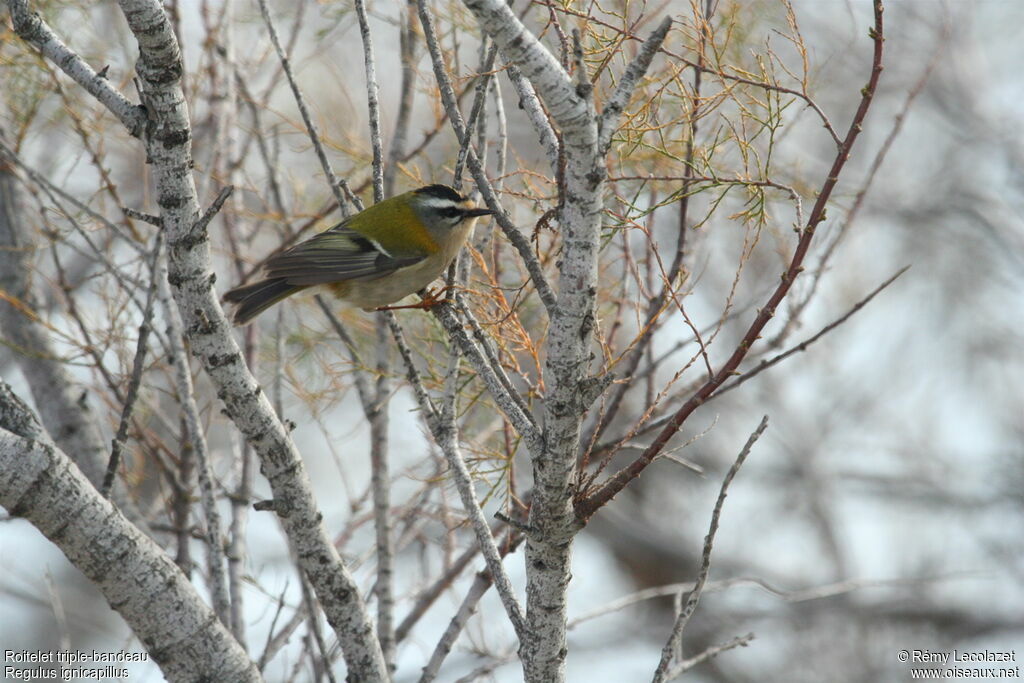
[{"x": 372, "y": 259}]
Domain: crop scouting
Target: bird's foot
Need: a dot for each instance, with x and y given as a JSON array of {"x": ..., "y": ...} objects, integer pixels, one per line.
[{"x": 428, "y": 299}]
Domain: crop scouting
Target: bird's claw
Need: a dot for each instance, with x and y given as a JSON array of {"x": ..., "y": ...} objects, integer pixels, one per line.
[{"x": 428, "y": 299}]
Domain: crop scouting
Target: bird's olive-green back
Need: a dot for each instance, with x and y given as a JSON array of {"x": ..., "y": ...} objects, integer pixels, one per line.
[{"x": 394, "y": 225}]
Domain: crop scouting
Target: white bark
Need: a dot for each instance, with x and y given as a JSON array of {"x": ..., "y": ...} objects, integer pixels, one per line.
[
  {"x": 167, "y": 135},
  {"x": 34, "y": 30},
  {"x": 552, "y": 522},
  {"x": 443, "y": 428},
  {"x": 194, "y": 425},
  {"x": 139, "y": 580},
  {"x": 208, "y": 331},
  {"x": 531, "y": 105}
]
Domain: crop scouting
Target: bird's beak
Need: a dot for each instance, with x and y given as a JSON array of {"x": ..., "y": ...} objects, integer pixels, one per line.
[{"x": 473, "y": 213}]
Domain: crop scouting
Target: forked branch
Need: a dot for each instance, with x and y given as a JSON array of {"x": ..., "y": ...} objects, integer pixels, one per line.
[{"x": 588, "y": 505}]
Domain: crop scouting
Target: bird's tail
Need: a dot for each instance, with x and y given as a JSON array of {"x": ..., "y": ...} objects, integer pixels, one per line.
[{"x": 255, "y": 298}]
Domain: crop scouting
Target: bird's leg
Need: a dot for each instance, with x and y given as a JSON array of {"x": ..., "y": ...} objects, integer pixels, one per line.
[{"x": 428, "y": 299}]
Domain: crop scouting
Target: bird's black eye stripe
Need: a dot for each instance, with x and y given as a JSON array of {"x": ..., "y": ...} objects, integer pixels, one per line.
[{"x": 450, "y": 212}]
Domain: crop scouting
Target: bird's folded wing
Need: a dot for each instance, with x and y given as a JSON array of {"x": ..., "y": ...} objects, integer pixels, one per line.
[{"x": 336, "y": 255}]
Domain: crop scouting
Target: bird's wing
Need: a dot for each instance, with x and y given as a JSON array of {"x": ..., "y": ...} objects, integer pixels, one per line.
[{"x": 336, "y": 255}]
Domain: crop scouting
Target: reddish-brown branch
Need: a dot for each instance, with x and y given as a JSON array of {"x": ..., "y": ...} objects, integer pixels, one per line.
[{"x": 587, "y": 506}]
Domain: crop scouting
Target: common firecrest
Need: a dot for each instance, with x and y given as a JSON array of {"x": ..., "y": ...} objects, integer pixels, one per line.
[{"x": 372, "y": 259}]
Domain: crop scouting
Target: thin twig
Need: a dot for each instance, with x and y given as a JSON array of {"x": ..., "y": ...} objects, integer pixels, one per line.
[
  {"x": 492, "y": 357},
  {"x": 228, "y": 148},
  {"x": 380, "y": 481},
  {"x": 138, "y": 365},
  {"x": 451, "y": 633},
  {"x": 427, "y": 597},
  {"x": 199, "y": 227},
  {"x": 713, "y": 651},
  {"x": 518, "y": 240},
  {"x": 377, "y": 410},
  {"x": 412, "y": 373},
  {"x": 481, "y": 583},
  {"x": 802, "y": 346},
  {"x": 657, "y": 305},
  {"x": 475, "y": 113},
  {"x": 197, "y": 441},
  {"x": 445, "y": 434},
  {"x": 322, "y": 660},
  {"x": 683, "y": 618},
  {"x": 53, "y": 190},
  {"x": 300, "y": 101},
  {"x": 521, "y": 420},
  {"x": 827, "y": 590},
  {"x": 858, "y": 201},
  {"x": 407, "y": 54},
  {"x": 627, "y": 83},
  {"x": 369, "y": 62},
  {"x": 530, "y": 104},
  {"x": 587, "y": 506},
  {"x": 276, "y": 641},
  {"x": 359, "y": 375}
]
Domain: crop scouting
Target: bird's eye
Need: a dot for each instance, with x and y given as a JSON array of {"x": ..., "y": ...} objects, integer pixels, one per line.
[{"x": 450, "y": 212}]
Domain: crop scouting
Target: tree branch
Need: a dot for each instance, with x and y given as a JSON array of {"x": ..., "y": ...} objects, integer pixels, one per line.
[
  {"x": 617, "y": 103},
  {"x": 683, "y": 618},
  {"x": 32, "y": 29},
  {"x": 586, "y": 507},
  {"x": 138, "y": 364},
  {"x": 448, "y": 98},
  {"x": 41, "y": 485},
  {"x": 209, "y": 334}
]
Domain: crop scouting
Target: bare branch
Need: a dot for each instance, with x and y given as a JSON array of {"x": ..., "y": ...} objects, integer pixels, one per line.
[
  {"x": 32, "y": 29},
  {"x": 802, "y": 346},
  {"x": 797, "y": 595},
  {"x": 64, "y": 410},
  {"x": 199, "y": 228},
  {"x": 194, "y": 428},
  {"x": 627, "y": 84},
  {"x": 443, "y": 582},
  {"x": 481, "y": 583},
  {"x": 445, "y": 435},
  {"x": 588, "y": 506},
  {"x": 445, "y": 432},
  {"x": 683, "y": 618},
  {"x": 521, "y": 420},
  {"x": 55, "y": 191},
  {"x": 713, "y": 651},
  {"x": 407, "y": 53},
  {"x": 209, "y": 334},
  {"x": 504, "y": 221},
  {"x": 300, "y": 101},
  {"x": 521, "y": 47},
  {"x": 138, "y": 365},
  {"x": 858, "y": 201},
  {"x": 530, "y": 103},
  {"x": 475, "y": 113},
  {"x": 371, "y": 100},
  {"x": 135, "y": 575}
]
